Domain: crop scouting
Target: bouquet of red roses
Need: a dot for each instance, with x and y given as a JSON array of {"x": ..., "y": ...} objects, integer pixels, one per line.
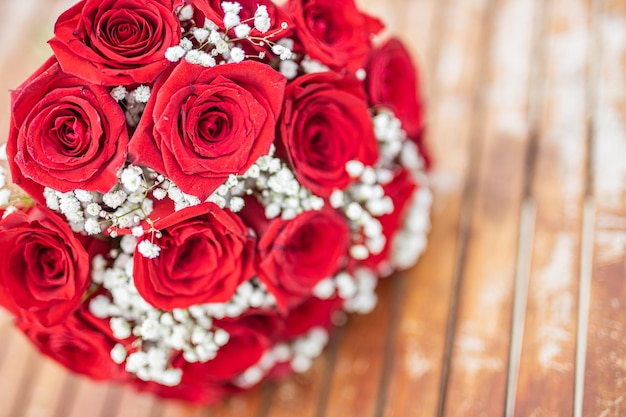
[{"x": 209, "y": 184}]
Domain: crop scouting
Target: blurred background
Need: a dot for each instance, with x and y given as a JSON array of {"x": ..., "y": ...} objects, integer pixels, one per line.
[{"x": 518, "y": 307}]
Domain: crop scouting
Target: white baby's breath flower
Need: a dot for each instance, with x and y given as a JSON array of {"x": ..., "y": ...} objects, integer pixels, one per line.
[
  {"x": 159, "y": 193},
  {"x": 131, "y": 178},
  {"x": 185, "y": 13},
  {"x": 128, "y": 243},
  {"x": 175, "y": 53},
  {"x": 186, "y": 44},
  {"x": 289, "y": 69},
  {"x": 231, "y": 7},
  {"x": 148, "y": 249},
  {"x": 242, "y": 30},
  {"x": 114, "y": 199},
  {"x": 231, "y": 20},
  {"x": 5, "y": 196},
  {"x": 262, "y": 24},
  {"x": 137, "y": 231},
  {"x": 262, "y": 21},
  {"x": 83, "y": 196},
  {"x": 237, "y": 54},
  {"x": 221, "y": 46},
  {"x": 193, "y": 56},
  {"x": 93, "y": 209},
  {"x": 92, "y": 227},
  {"x": 201, "y": 34},
  {"x": 118, "y": 354},
  {"x": 142, "y": 94},
  {"x": 119, "y": 93}
]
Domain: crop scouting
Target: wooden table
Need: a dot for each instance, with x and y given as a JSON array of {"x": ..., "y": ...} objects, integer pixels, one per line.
[{"x": 518, "y": 306}]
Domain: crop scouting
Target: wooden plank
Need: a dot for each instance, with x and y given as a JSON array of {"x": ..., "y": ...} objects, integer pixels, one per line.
[
  {"x": 134, "y": 404},
  {"x": 46, "y": 390},
  {"x": 15, "y": 374},
  {"x": 546, "y": 378},
  {"x": 606, "y": 344},
  {"x": 362, "y": 346},
  {"x": 178, "y": 409},
  {"x": 85, "y": 395},
  {"x": 419, "y": 343},
  {"x": 299, "y": 395},
  {"x": 478, "y": 376},
  {"x": 247, "y": 404},
  {"x": 354, "y": 384}
]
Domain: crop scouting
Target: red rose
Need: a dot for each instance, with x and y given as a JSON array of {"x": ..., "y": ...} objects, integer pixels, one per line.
[
  {"x": 65, "y": 134},
  {"x": 313, "y": 312},
  {"x": 326, "y": 123},
  {"x": 401, "y": 191},
  {"x": 294, "y": 255},
  {"x": 392, "y": 82},
  {"x": 209, "y": 382},
  {"x": 78, "y": 344},
  {"x": 116, "y": 42},
  {"x": 334, "y": 32},
  {"x": 203, "y": 124},
  {"x": 44, "y": 269},
  {"x": 213, "y": 11},
  {"x": 206, "y": 252}
]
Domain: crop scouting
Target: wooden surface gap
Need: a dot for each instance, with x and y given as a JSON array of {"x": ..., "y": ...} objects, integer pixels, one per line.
[
  {"x": 267, "y": 392},
  {"x": 112, "y": 403},
  {"x": 584, "y": 302},
  {"x": 528, "y": 213},
  {"x": 331, "y": 352},
  {"x": 398, "y": 289},
  {"x": 520, "y": 300},
  {"x": 594, "y": 54},
  {"x": 26, "y": 384},
  {"x": 68, "y": 394},
  {"x": 468, "y": 199}
]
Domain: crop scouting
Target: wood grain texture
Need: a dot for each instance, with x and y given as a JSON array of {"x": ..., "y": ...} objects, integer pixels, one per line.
[
  {"x": 604, "y": 392},
  {"x": 547, "y": 368},
  {"x": 492, "y": 89},
  {"x": 478, "y": 377}
]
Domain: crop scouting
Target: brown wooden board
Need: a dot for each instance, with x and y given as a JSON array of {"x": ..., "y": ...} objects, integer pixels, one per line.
[
  {"x": 417, "y": 360},
  {"x": 479, "y": 362},
  {"x": 605, "y": 372},
  {"x": 546, "y": 376}
]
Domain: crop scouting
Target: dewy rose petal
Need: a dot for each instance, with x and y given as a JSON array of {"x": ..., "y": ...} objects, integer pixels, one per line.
[
  {"x": 44, "y": 267},
  {"x": 78, "y": 343},
  {"x": 206, "y": 252},
  {"x": 294, "y": 255},
  {"x": 334, "y": 32},
  {"x": 325, "y": 124},
  {"x": 116, "y": 42},
  {"x": 392, "y": 81},
  {"x": 203, "y": 124},
  {"x": 65, "y": 134}
]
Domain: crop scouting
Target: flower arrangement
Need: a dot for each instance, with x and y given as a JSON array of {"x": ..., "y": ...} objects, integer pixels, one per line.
[{"x": 210, "y": 185}]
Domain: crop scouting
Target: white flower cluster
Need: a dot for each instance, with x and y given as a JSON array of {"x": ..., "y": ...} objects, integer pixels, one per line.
[
  {"x": 167, "y": 189},
  {"x": 124, "y": 207},
  {"x": 5, "y": 193},
  {"x": 390, "y": 135},
  {"x": 210, "y": 46},
  {"x": 274, "y": 184},
  {"x": 362, "y": 202},
  {"x": 358, "y": 291},
  {"x": 158, "y": 334},
  {"x": 299, "y": 353},
  {"x": 133, "y": 102},
  {"x": 410, "y": 241}
]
